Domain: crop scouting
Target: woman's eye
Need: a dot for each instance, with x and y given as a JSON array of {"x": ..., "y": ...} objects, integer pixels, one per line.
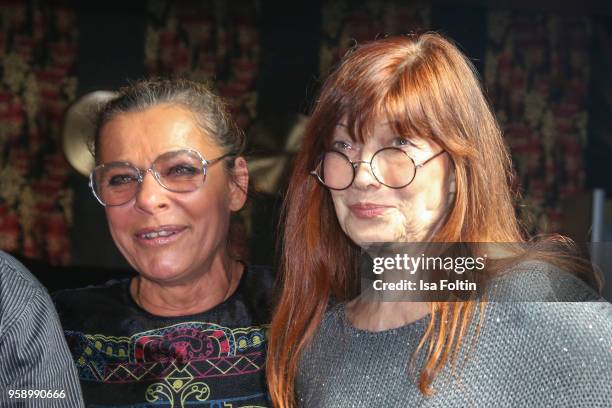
[
  {"x": 121, "y": 179},
  {"x": 402, "y": 141},
  {"x": 181, "y": 170},
  {"x": 340, "y": 145}
]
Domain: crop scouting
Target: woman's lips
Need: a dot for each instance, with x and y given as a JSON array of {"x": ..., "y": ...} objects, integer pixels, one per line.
[
  {"x": 158, "y": 236},
  {"x": 368, "y": 210}
]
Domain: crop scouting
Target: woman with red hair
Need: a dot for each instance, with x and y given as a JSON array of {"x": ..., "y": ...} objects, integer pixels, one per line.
[{"x": 403, "y": 147}]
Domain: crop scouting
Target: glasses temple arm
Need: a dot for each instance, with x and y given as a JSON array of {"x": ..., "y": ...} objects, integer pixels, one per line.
[
  {"x": 431, "y": 158},
  {"x": 218, "y": 159}
]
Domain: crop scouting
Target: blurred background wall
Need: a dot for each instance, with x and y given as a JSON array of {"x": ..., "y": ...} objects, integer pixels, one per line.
[{"x": 546, "y": 67}]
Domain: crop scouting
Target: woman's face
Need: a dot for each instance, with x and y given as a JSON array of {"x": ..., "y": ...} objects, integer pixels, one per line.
[
  {"x": 369, "y": 211},
  {"x": 198, "y": 221}
]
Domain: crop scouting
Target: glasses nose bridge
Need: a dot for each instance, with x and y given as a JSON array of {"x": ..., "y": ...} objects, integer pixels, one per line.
[
  {"x": 156, "y": 176},
  {"x": 359, "y": 177},
  {"x": 149, "y": 196},
  {"x": 356, "y": 163},
  {"x": 365, "y": 156}
]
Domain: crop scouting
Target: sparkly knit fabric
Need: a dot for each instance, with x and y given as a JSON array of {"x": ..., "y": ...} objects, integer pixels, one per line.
[{"x": 549, "y": 353}]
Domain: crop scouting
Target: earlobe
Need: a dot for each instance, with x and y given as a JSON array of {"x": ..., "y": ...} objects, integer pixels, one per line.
[{"x": 239, "y": 184}]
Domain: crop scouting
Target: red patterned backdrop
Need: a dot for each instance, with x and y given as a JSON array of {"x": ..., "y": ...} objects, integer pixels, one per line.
[
  {"x": 348, "y": 22},
  {"x": 38, "y": 47},
  {"x": 207, "y": 41},
  {"x": 537, "y": 74}
]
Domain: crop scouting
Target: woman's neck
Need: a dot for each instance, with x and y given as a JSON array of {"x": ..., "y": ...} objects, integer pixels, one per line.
[
  {"x": 189, "y": 296},
  {"x": 376, "y": 316}
]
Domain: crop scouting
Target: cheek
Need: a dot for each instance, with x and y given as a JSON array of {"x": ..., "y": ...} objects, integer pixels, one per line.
[
  {"x": 207, "y": 212},
  {"x": 431, "y": 187},
  {"x": 118, "y": 224},
  {"x": 117, "y": 220},
  {"x": 423, "y": 206},
  {"x": 338, "y": 198},
  {"x": 436, "y": 199}
]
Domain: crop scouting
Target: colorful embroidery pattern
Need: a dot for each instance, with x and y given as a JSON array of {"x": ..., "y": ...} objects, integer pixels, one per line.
[{"x": 178, "y": 361}]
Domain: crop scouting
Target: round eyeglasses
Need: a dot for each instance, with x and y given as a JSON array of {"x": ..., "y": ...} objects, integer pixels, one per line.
[
  {"x": 180, "y": 171},
  {"x": 391, "y": 166}
]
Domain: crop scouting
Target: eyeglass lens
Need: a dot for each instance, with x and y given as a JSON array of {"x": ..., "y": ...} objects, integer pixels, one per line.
[
  {"x": 118, "y": 183},
  {"x": 391, "y": 167}
]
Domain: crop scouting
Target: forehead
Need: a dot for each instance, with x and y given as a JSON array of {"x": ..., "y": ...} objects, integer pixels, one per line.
[
  {"x": 141, "y": 136},
  {"x": 364, "y": 134}
]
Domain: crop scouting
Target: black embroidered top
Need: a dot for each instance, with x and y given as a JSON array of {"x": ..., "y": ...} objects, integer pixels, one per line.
[{"x": 127, "y": 357}]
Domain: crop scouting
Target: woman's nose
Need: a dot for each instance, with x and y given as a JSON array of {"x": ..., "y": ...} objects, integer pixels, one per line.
[
  {"x": 151, "y": 196},
  {"x": 364, "y": 176}
]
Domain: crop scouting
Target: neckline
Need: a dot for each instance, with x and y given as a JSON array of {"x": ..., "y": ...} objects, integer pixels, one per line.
[
  {"x": 150, "y": 315},
  {"x": 417, "y": 324}
]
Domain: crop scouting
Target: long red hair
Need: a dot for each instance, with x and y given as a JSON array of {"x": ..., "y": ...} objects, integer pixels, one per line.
[{"x": 423, "y": 85}]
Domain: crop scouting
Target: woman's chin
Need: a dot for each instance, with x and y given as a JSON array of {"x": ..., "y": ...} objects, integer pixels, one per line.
[
  {"x": 161, "y": 272},
  {"x": 365, "y": 237}
]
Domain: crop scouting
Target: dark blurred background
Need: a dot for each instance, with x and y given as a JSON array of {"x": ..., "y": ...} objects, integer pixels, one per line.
[{"x": 546, "y": 67}]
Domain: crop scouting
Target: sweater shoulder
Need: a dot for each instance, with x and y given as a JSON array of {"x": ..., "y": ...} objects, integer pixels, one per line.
[
  {"x": 536, "y": 281},
  {"x": 539, "y": 297}
]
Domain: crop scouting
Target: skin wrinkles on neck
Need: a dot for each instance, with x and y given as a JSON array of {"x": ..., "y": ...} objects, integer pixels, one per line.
[{"x": 188, "y": 297}]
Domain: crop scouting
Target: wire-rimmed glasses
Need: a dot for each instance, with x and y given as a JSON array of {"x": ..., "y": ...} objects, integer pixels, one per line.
[
  {"x": 179, "y": 171},
  {"x": 391, "y": 166}
]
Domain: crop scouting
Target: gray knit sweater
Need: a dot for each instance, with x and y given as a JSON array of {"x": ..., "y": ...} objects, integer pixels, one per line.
[{"x": 528, "y": 354}]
